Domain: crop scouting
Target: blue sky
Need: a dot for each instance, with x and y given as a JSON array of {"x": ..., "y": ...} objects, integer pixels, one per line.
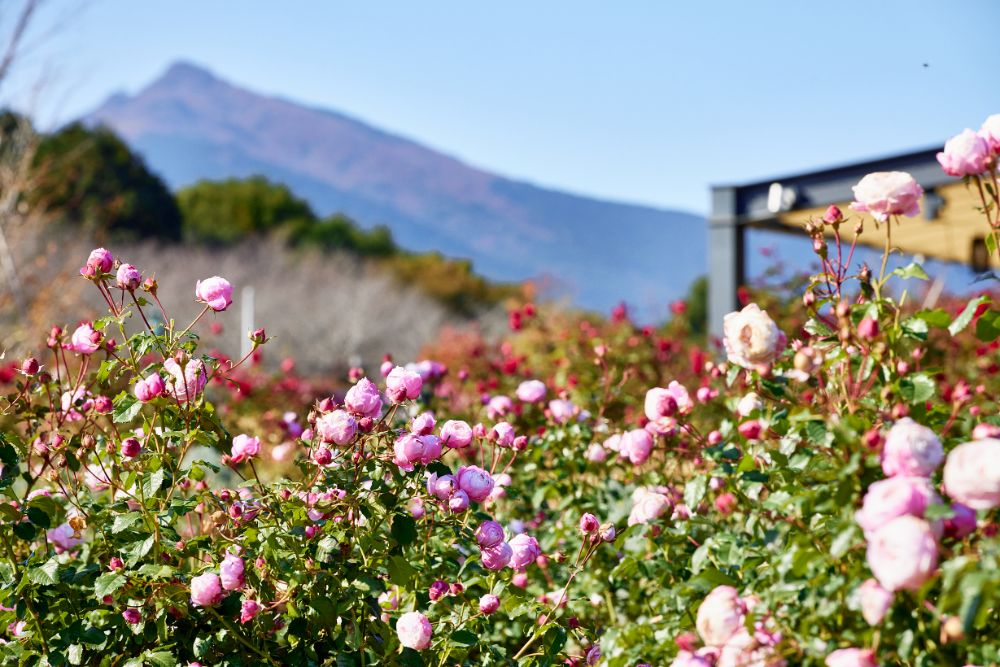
[{"x": 645, "y": 101}]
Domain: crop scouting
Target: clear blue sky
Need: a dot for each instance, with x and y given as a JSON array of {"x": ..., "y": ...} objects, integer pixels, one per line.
[{"x": 646, "y": 101}]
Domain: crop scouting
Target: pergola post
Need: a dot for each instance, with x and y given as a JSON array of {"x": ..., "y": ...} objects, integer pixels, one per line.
[{"x": 725, "y": 257}]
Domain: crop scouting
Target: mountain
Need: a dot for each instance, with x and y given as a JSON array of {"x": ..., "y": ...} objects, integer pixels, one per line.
[{"x": 191, "y": 125}]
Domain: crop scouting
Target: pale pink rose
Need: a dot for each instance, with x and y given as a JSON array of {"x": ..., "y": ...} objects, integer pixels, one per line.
[
  {"x": 596, "y": 453},
  {"x": 911, "y": 450},
  {"x": 751, "y": 338},
  {"x": 972, "y": 474},
  {"x": 231, "y": 572},
  {"x": 128, "y": 277},
  {"x": 337, "y": 427},
  {"x": 985, "y": 430},
  {"x": 456, "y": 434},
  {"x": 364, "y": 399},
  {"x": 85, "y": 339},
  {"x": 689, "y": 659},
  {"x": 185, "y": 386},
  {"x": 720, "y": 616},
  {"x": 887, "y": 193},
  {"x": 851, "y": 657},
  {"x": 744, "y": 650},
  {"x": 149, "y": 388},
  {"x": 648, "y": 508},
  {"x": 524, "y": 549},
  {"x": 965, "y": 154},
  {"x": 890, "y": 498},
  {"x": 502, "y": 434},
  {"x": 496, "y": 557},
  {"x": 637, "y": 444},
  {"x": 62, "y": 538},
  {"x": 749, "y": 404},
  {"x": 414, "y": 630},
  {"x": 902, "y": 554},
  {"x": 244, "y": 448},
  {"x": 531, "y": 391},
  {"x": 475, "y": 481},
  {"x": 206, "y": 590},
  {"x": 489, "y": 603},
  {"x": 990, "y": 131},
  {"x": 389, "y": 599},
  {"x": 215, "y": 292},
  {"x": 562, "y": 410},
  {"x": 402, "y": 384},
  {"x": 875, "y": 601}
]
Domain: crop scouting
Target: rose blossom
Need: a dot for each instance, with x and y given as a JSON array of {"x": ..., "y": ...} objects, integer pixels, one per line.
[
  {"x": 851, "y": 657},
  {"x": 965, "y": 154},
  {"x": 972, "y": 474},
  {"x": 63, "y": 538},
  {"x": 459, "y": 502},
  {"x": 414, "y": 630},
  {"x": 890, "y": 498},
  {"x": 489, "y": 603},
  {"x": 562, "y": 410},
  {"x": 990, "y": 131},
  {"x": 648, "y": 507},
  {"x": 149, "y": 388},
  {"x": 248, "y": 610},
  {"x": 456, "y": 433},
  {"x": 244, "y": 448},
  {"x": 748, "y": 404},
  {"x": 186, "y": 386},
  {"x": 720, "y": 615},
  {"x": 524, "y": 549},
  {"x": 503, "y": 434},
  {"x": 85, "y": 339},
  {"x": 496, "y": 557},
  {"x": 751, "y": 338},
  {"x": 102, "y": 261},
  {"x": 410, "y": 449},
  {"x": 887, "y": 193},
  {"x": 475, "y": 481},
  {"x": 531, "y": 391},
  {"x": 364, "y": 399},
  {"x": 911, "y": 450},
  {"x": 689, "y": 659},
  {"x": 128, "y": 277},
  {"x": 962, "y": 524},
  {"x": 402, "y": 384},
  {"x": 337, "y": 427},
  {"x": 637, "y": 445},
  {"x": 423, "y": 424},
  {"x": 215, "y": 292},
  {"x": 499, "y": 406},
  {"x": 875, "y": 601},
  {"x": 489, "y": 534},
  {"x": 902, "y": 554},
  {"x": 441, "y": 487},
  {"x": 231, "y": 571},
  {"x": 206, "y": 590}
]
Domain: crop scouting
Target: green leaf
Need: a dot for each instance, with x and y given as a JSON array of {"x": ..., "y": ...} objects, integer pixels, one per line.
[
  {"x": 915, "y": 327},
  {"x": 911, "y": 270},
  {"x": 936, "y": 318},
  {"x": 152, "y": 483},
  {"x": 818, "y": 328},
  {"x": 108, "y": 583},
  {"x": 125, "y": 521},
  {"x": 137, "y": 550},
  {"x": 916, "y": 388},
  {"x": 161, "y": 658},
  {"x": 694, "y": 491},
  {"x": 988, "y": 326},
  {"x": 400, "y": 571},
  {"x": 963, "y": 319},
  {"x": 38, "y": 517},
  {"x": 464, "y": 638},
  {"x": 45, "y": 575},
  {"x": 126, "y": 409},
  {"x": 404, "y": 529},
  {"x": 991, "y": 244}
]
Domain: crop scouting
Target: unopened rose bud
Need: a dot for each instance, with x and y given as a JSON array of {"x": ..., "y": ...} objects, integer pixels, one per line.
[
  {"x": 257, "y": 337},
  {"x": 809, "y": 299},
  {"x": 868, "y": 328},
  {"x": 131, "y": 448},
  {"x": 30, "y": 366},
  {"x": 150, "y": 285},
  {"x": 833, "y": 215}
]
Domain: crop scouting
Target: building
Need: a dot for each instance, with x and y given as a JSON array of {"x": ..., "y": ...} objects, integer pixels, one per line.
[{"x": 949, "y": 228}]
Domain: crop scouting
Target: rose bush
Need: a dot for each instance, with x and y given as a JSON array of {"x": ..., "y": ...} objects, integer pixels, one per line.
[{"x": 818, "y": 487}]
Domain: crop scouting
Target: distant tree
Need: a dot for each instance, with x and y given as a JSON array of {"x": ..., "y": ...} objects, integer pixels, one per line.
[
  {"x": 90, "y": 178},
  {"x": 697, "y": 305},
  {"x": 338, "y": 232},
  {"x": 228, "y": 211}
]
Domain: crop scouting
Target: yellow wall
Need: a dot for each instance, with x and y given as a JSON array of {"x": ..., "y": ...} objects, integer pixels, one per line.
[{"x": 948, "y": 237}]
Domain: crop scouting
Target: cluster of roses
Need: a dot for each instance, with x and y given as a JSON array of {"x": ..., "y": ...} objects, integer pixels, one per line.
[{"x": 972, "y": 153}]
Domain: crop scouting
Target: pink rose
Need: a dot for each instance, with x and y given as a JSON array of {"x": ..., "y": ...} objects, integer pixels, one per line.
[
  {"x": 489, "y": 603},
  {"x": 875, "y": 601},
  {"x": 499, "y": 406},
  {"x": 496, "y": 557},
  {"x": 423, "y": 424},
  {"x": 990, "y": 131},
  {"x": 851, "y": 657},
  {"x": 648, "y": 508},
  {"x": 562, "y": 410},
  {"x": 751, "y": 338},
  {"x": 636, "y": 445},
  {"x": 364, "y": 399},
  {"x": 244, "y": 448},
  {"x": 185, "y": 386},
  {"x": 891, "y": 498},
  {"x": 215, "y": 292},
  {"x": 402, "y": 384},
  {"x": 531, "y": 391},
  {"x": 689, "y": 659},
  {"x": 459, "y": 502},
  {"x": 248, "y": 610},
  {"x": 206, "y": 590},
  {"x": 128, "y": 277},
  {"x": 149, "y": 388},
  {"x": 455, "y": 433},
  {"x": 337, "y": 427},
  {"x": 902, "y": 554},
  {"x": 524, "y": 550},
  {"x": 972, "y": 474},
  {"x": 887, "y": 193},
  {"x": 102, "y": 261},
  {"x": 911, "y": 450},
  {"x": 231, "y": 571},
  {"x": 502, "y": 434},
  {"x": 596, "y": 453},
  {"x": 414, "y": 630},
  {"x": 85, "y": 339},
  {"x": 720, "y": 616},
  {"x": 963, "y": 523},
  {"x": 965, "y": 154},
  {"x": 489, "y": 534},
  {"x": 441, "y": 487},
  {"x": 410, "y": 449},
  {"x": 475, "y": 481},
  {"x": 63, "y": 538}
]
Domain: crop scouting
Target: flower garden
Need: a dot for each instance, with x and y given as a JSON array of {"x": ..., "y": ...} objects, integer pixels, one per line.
[{"x": 819, "y": 489}]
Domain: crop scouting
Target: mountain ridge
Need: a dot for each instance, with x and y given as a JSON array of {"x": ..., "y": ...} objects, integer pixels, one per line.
[{"x": 190, "y": 125}]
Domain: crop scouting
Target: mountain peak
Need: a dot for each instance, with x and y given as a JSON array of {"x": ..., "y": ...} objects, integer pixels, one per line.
[{"x": 190, "y": 124}]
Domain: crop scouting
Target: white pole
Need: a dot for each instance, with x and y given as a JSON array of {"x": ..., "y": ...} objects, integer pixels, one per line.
[{"x": 246, "y": 317}]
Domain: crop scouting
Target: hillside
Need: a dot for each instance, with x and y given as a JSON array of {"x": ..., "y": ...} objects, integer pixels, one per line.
[{"x": 191, "y": 125}]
